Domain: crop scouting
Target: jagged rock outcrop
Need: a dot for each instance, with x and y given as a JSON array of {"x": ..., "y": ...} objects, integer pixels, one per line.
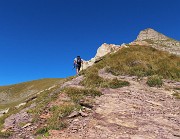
[
  {"x": 2, "y": 112},
  {"x": 147, "y": 37},
  {"x": 105, "y": 49},
  {"x": 102, "y": 51},
  {"x": 150, "y": 34},
  {"x": 158, "y": 41}
]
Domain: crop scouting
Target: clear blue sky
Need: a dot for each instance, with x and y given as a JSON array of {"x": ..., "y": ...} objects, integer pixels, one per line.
[{"x": 40, "y": 38}]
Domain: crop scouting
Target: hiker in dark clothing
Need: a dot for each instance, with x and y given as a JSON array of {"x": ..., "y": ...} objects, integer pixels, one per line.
[{"x": 78, "y": 63}]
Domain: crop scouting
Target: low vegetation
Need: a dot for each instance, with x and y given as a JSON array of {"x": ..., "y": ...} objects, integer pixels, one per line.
[
  {"x": 115, "y": 83},
  {"x": 77, "y": 94},
  {"x": 141, "y": 61},
  {"x": 5, "y": 135},
  {"x": 155, "y": 80},
  {"x": 41, "y": 99},
  {"x": 56, "y": 120},
  {"x": 15, "y": 94},
  {"x": 93, "y": 80},
  {"x": 144, "y": 61},
  {"x": 138, "y": 61},
  {"x": 176, "y": 95},
  {"x": 59, "y": 112}
]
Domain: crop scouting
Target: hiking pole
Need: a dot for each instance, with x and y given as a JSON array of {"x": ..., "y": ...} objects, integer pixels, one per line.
[{"x": 74, "y": 66}]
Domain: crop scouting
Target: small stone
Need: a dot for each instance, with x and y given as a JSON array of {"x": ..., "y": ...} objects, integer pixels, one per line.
[
  {"x": 73, "y": 114},
  {"x": 21, "y": 104},
  {"x": 4, "y": 130},
  {"x": 75, "y": 120},
  {"x": 83, "y": 114},
  {"x": 4, "y": 111},
  {"x": 26, "y": 125}
]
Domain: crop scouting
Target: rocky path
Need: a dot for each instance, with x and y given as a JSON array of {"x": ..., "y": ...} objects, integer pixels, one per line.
[
  {"x": 21, "y": 123},
  {"x": 133, "y": 112}
]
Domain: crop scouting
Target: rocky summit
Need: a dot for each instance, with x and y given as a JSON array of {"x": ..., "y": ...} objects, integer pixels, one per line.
[
  {"x": 150, "y": 34},
  {"x": 101, "y": 51},
  {"x": 147, "y": 37},
  {"x": 128, "y": 91},
  {"x": 158, "y": 41}
]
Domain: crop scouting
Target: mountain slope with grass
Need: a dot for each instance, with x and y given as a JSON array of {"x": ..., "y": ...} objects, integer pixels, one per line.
[
  {"x": 14, "y": 94},
  {"x": 147, "y": 37},
  {"x": 130, "y": 92}
]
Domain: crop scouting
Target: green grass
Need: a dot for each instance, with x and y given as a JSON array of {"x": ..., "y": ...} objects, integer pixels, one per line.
[
  {"x": 176, "y": 95},
  {"x": 5, "y": 135},
  {"x": 144, "y": 61},
  {"x": 42, "y": 130},
  {"x": 56, "y": 121},
  {"x": 155, "y": 80},
  {"x": 140, "y": 61},
  {"x": 77, "y": 94},
  {"x": 177, "y": 88},
  {"x": 17, "y": 93},
  {"x": 12, "y": 110},
  {"x": 115, "y": 83},
  {"x": 93, "y": 80},
  {"x": 42, "y": 99},
  {"x": 59, "y": 113}
]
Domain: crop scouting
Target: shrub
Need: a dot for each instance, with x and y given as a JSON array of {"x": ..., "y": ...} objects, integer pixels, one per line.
[
  {"x": 154, "y": 80},
  {"x": 177, "y": 88},
  {"x": 77, "y": 94},
  {"x": 177, "y": 95},
  {"x": 5, "y": 134},
  {"x": 42, "y": 130},
  {"x": 115, "y": 83},
  {"x": 92, "y": 79}
]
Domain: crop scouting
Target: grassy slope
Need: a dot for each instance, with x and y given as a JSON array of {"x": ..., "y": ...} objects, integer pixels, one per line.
[
  {"x": 17, "y": 93},
  {"x": 136, "y": 60}
]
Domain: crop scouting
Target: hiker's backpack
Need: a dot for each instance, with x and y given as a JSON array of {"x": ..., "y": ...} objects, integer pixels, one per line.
[{"x": 79, "y": 61}]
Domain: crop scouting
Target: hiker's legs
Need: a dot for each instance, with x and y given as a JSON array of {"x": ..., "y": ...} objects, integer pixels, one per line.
[{"x": 77, "y": 69}]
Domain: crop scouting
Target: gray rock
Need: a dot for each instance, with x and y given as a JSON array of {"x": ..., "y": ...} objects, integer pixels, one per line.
[
  {"x": 83, "y": 114},
  {"x": 150, "y": 34},
  {"x": 4, "y": 111},
  {"x": 73, "y": 114}
]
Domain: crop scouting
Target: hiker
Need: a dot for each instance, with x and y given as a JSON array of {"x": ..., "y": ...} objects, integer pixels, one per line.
[{"x": 78, "y": 62}]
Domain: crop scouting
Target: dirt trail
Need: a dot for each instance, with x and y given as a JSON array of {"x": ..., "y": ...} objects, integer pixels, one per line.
[{"x": 133, "y": 112}]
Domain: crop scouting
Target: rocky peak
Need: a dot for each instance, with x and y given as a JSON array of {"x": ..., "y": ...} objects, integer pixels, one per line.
[
  {"x": 147, "y": 37},
  {"x": 157, "y": 40},
  {"x": 101, "y": 51},
  {"x": 105, "y": 49},
  {"x": 150, "y": 34}
]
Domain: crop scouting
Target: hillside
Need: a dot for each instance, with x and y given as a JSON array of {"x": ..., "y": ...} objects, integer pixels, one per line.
[
  {"x": 128, "y": 91},
  {"x": 147, "y": 37},
  {"x": 19, "y": 93}
]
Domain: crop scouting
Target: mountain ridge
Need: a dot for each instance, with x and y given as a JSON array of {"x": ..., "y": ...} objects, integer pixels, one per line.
[{"x": 148, "y": 37}]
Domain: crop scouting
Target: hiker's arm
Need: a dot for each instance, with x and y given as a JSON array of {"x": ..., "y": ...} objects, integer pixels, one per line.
[{"x": 74, "y": 61}]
